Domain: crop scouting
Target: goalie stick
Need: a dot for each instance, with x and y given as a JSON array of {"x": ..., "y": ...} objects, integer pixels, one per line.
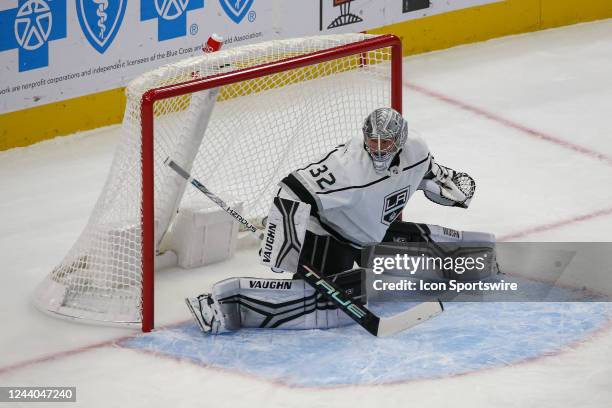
[{"x": 375, "y": 325}]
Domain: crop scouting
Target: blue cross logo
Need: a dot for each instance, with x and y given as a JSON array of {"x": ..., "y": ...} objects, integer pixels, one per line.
[
  {"x": 171, "y": 16},
  {"x": 30, "y": 27}
]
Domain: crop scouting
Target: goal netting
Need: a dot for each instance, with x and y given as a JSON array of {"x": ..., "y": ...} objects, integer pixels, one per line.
[{"x": 282, "y": 104}]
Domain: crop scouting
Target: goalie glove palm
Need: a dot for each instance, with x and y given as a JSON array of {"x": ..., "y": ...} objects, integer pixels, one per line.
[{"x": 448, "y": 187}]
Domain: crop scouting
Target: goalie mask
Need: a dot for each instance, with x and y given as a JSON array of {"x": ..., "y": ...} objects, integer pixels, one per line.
[{"x": 384, "y": 133}]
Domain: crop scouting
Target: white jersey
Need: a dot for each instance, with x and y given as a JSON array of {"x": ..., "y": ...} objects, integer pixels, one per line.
[{"x": 349, "y": 199}]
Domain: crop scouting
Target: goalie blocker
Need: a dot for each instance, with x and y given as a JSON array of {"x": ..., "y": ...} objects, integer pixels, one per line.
[{"x": 284, "y": 236}]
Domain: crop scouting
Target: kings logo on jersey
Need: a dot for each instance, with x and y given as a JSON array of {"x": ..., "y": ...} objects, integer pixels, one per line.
[
  {"x": 100, "y": 21},
  {"x": 394, "y": 204}
]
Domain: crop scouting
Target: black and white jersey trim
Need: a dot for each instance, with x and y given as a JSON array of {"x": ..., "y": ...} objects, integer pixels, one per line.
[
  {"x": 417, "y": 163},
  {"x": 323, "y": 159},
  {"x": 294, "y": 185},
  {"x": 373, "y": 182}
]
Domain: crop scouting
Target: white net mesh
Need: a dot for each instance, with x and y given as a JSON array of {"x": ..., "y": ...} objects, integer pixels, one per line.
[{"x": 259, "y": 130}]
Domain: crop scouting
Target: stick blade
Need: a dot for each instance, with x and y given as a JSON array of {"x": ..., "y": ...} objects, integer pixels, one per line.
[{"x": 410, "y": 318}]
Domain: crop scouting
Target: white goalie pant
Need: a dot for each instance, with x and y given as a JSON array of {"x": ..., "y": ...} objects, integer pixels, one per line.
[{"x": 273, "y": 303}]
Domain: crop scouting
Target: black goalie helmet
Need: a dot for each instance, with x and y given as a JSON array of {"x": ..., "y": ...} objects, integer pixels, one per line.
[{"x": 384, "y": 133}]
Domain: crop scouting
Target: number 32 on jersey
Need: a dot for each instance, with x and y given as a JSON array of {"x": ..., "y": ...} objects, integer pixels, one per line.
[{"x": 322, "y": 176}]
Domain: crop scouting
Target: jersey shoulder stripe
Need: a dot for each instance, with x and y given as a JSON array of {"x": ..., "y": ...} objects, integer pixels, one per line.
[
  {"x": 417, "y": 163},
  {"x": 322, "y": 160},
  {"x": 296, "y": 187},
  {"x": 373, "y": 182}
]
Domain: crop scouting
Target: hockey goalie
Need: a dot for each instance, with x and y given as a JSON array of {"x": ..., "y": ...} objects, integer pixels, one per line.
[{"x": 322, "y": 217}]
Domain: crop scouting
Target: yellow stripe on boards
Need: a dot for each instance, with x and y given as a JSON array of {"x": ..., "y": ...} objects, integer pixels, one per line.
[
  {"x": 28, "y": 126},
  {"x": 441, "y": 31}
]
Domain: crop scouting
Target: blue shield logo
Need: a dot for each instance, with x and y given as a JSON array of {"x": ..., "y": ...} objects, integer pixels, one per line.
[
  {"x": 236, "y": 9},
  {"x": 100, "y": 21}
]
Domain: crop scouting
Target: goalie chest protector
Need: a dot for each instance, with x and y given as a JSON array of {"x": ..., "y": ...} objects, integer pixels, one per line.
[{"x": 350, "y": 200}]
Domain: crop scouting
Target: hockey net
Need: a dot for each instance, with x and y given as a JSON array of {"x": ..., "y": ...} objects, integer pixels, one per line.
[{"x": 240, "y": 120}]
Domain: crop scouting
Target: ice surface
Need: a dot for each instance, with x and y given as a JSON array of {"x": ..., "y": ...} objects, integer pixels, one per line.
[
  {"x": 555, "y": 82},
  {"x": 465, "y": 338}
]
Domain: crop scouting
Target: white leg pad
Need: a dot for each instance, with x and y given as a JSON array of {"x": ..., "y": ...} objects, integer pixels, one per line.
[{"x": 272, "y": 303}]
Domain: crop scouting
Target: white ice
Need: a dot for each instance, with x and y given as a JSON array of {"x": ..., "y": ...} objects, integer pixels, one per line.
[{"x": 484, "y": 108}]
